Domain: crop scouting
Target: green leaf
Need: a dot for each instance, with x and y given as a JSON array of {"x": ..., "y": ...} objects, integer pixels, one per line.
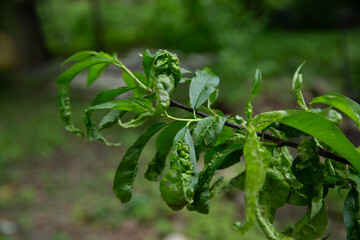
[
  {"x": 164, "y": 142},
  {"x": 178, "y": 185},
  {"x": 206, "y": 132},
  {"x": 263, "y": 120},
  {"x": 79, "y": 56},
  {"x": 131, "y": 83},
  {"x": 325, "y": 131},
  {"x": 184, "y": 71},
  {"x": 202, "y": 86},
  {"x": 297, "y": 86},
  {"x": 342, "y": 103},
  {"x": 147, "y": 60},
  {"x": 121, "y": 104},
  {"x": 127, "y": 169},
  {"x": 203, "y": 194},
  {"x": 108, "y": 95},
  {"x": 256, "y": 84},
  {"x": 95, "y": 72},
  {"x": 307, "y": 167},
  {"x": 352, "y": 214},
  {"x": 108, "y": 120},
  {"x": 63, "y": 82},
  {"x": 235, "y": 145},
  {"x": 257, "y": 160},
  {"x": 311, "y": 228}
]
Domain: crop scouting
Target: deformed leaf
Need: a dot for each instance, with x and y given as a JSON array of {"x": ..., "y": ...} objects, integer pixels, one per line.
[
  {"x": 127, "y": 169},
  {"x": 177, "y": 187},
  {"x": 342, "y": 103},
  {"x": 202, "y": 86},
  {"x": 263, "y": 120},
  {"x": 206, "y": 132},
  {"x": 121, "y": 104},
  {"x": 147, "y": 60},
  {"x": 311, "y": 228},
  {"x": 164, "y": 142},
  {"x": 63, "y": 82},
  {"x": 257, "y": 160},
  {"x": 297, "y": 86}
]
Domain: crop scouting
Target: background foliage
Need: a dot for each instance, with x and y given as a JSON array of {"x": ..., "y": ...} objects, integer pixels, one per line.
[{"x": 41, "y": 165}]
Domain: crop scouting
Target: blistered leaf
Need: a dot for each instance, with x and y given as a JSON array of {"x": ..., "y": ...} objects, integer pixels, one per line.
[
  {"x": 297, "y": 86},
  {"x": 121, "y": 104},
  {"x": 257, "y": 159},
  {"x": 263, "y": 120},
  {"x": 342, "y": 103},
  {"x": 202, "y": 86},
  {"x": 325, "y": 131},
  {"x": 206, "y": 132},
  {"x": 63, "y": 82},
  {"x": 127, "y": 169},
  {"x": 203, "y": 191},
  {"x": 164, "y": 142},
  {"x": 177, "y": 187},
  {"x": 233, "y": 145}
]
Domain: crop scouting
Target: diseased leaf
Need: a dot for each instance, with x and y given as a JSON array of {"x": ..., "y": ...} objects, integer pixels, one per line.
[
  {"x": 352, "y": 214},
  {"x": 164, "y": 142},
  {"x": 127, "y": 169},
  {"x": 109, "y": 120},
  {"x": 206, "y": 132},
  {"x": 325, "y": 131},
  {"x": 79, "y": 56},
  {"x": 203, "y": 191},
  {"x": 63, "y": 82},
  {"x": 311, "y": 228},
  {"x": 342, "y": 103},
  {"x": 95, "y": 72},
  {"x": 235, "y": 145},
  {"x": 202, "y": 86},
  {"x": 263, "y": 120},
  {"x": 297, "y": 86},
  {"x": 257, "y": 160},
  {"x": 178, "y": 185}
]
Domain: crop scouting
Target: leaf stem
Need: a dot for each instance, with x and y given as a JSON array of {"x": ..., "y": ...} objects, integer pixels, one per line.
[
  {"x": 121, "y": 65},
  {"x": 181, "y": 119}
]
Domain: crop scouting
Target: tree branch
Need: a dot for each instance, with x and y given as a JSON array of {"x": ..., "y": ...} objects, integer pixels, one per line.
[{"x": 280, "y": 142}]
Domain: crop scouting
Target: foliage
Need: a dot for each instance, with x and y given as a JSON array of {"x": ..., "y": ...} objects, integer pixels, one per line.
[{"x": 272, "y": 177}]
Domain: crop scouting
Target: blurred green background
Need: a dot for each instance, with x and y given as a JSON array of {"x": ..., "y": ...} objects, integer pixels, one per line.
[{"x": 56, "y": 186}]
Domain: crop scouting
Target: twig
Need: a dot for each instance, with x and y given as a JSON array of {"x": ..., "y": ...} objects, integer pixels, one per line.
[{"x": 278, "y": 141}]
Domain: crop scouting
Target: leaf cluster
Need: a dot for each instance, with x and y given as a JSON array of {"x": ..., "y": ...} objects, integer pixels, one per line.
[{"x": 272, "y": 177}]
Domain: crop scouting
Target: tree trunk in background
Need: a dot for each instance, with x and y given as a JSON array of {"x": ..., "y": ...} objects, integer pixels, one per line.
[
  {"x": 96, "y": 17},
  {"x": 27, "y": 32}
]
